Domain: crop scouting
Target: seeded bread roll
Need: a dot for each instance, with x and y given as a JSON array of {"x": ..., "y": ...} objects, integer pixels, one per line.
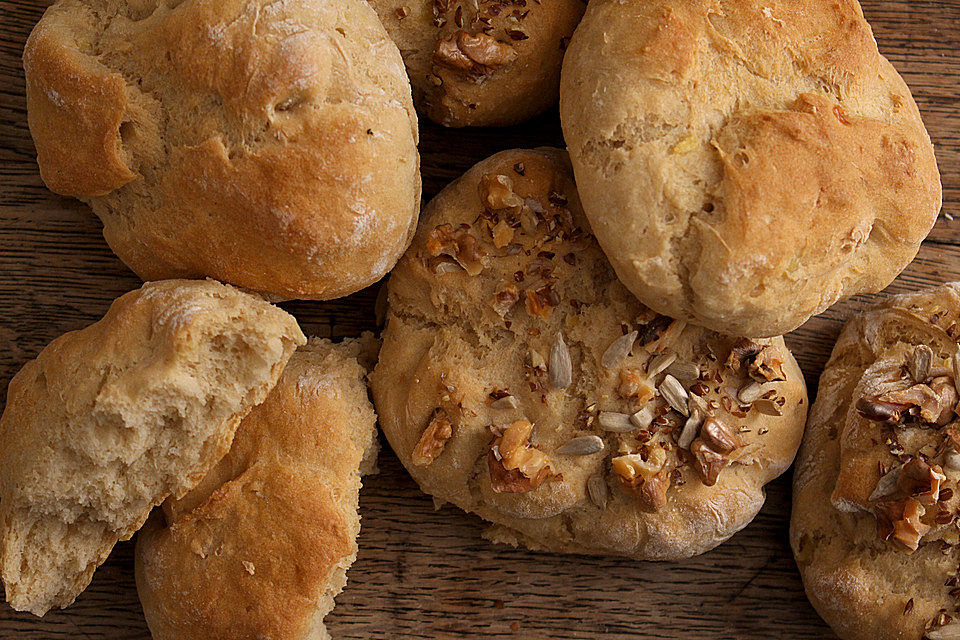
[
  {"x": 874, "y": 525},
  {"x": 271, "y": 145},
  {"x": 110, "y": 420},
  {"x": 481, "y": 62},
  {"x": 745, "y": 164},
  {"x": 261, "y": 546},
  {"x": 521, "y": 381}
]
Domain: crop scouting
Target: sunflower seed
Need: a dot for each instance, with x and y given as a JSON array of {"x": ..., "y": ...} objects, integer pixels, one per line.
[
  {"x": 886, "y": 485},
  {"x": 750, "y": 392},
  {"x": 660, "y": 362},
  {"x": 674, "y": 393},
  {"x": 618, "y": 349},
  {"x": 506, "y": 402},
  {"x": 697, "y": 403},
  {"x": 767, "y": 407},
  {"x": 684, "y": 371},
  {"x": 690, "y": 428},
  {"x": 642, "y": 419},
  {"x": 955, "y": 361},
  {"x": 536, "y": 360},
  {"x": 581, "y": 446},
  {"x": 616, "y": 422},
  {"x": 946, "y": 632},
  {"x": 597, "y": 490},
  {"x": 561, "y": 371},
  {"x": 918, "y": 363}
]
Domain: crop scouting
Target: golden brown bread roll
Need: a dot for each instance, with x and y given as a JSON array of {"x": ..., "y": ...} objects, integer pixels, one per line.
[
  {"x": 745, "y": 164},
  {"x": 519, "y": 380},
  {"x": 261, "y": 546},
  {"x": 110, "y": 420},
  {"x": 271, "y": 145},
  {"x": 481, "y": 62},
  {"x": 877, "y": 486}
]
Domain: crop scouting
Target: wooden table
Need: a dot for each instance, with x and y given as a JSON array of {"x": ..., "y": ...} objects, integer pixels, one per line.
[{"x": 426, "y": 573}]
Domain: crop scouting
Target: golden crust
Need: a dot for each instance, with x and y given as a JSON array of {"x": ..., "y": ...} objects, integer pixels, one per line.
[
  {"x": 110, "y": 420},
  {"x": 745, "y": 164},
  {"x": 520, "y": 80},
  {"x": 455, "y": 348},
  {"x": 240, "y": 139},
  {"x": 261, "y": 546},
  {"x": 865, "y": 587}
]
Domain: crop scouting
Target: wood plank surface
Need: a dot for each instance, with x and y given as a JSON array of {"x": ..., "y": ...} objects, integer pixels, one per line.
[{"x": 426, "y": 573}]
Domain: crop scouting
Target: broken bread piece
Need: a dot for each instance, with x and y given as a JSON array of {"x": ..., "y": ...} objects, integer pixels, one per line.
[
  {"x": 111, "y": 420},
  {"x": 261, "y": 546}
]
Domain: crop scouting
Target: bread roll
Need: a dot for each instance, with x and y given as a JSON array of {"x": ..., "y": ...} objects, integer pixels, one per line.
[
  {"x": 271, "y": 145},
  {"x": 745, "y": 164},
  {"x": 876, "y": 490},
  {"x": 483, "y": 62},
  {"x": 521, "y": 381},
  {"x": 111, "y": 420},
  {"x": 260, "y": 548}
]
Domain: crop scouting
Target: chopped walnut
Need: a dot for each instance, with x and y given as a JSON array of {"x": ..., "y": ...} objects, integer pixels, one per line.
[
  {"x": 761, "y": 362},
  {"x": 711, "y": 451},
  {"x": 502, "y": 234},
  {"x": 433, "y": 440},
  {"x": 921, "y": 480},
  {"x": 505, "y": 298},
  {"x": 478, "y": 54},
  {"x": 646, "y": 477},
  {"x": 719, "y": 437},
  {"x": 496, "y": 192},
  {"x": 459, "y": 244},
  {"x": 767, "y": 367},
  {"x": 936, "y": 403},
  {"x": 634, "y": 385},
  {"x": 540, "y": 302},
  {"x": 515, "y": 465},
  {"x": 900, "y": 521}
]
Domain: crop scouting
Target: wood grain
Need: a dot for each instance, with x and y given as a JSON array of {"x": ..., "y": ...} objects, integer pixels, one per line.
[{"x": 426, "y": 573}]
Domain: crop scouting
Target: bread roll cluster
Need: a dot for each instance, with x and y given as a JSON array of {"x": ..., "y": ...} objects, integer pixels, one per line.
[{"x": 583, "y": 346}]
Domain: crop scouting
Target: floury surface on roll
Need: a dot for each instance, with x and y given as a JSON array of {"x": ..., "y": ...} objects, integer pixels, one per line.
[
  {"x": 271, "y": 145},
  {"x": 111, "y": 420},
  {"x": 745, "y": 163},
  {"x": 481, "y": 62},
  {"x": 519, "y": 380},
  {"x": 877, "y": 485},
  {"x": 261, "y": 546}
]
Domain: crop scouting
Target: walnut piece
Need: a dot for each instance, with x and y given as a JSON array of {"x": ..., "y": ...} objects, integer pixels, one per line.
[
  {"x": 921, "y": 480},
  {"x": 459, "y": 244},
  {"x": 515, "y": 465},
  {"x": 496, "y": 192},
  {"x": 899, "y": 521},
  {"x": 711, "y": 450},
  {"x": 936, "y": 403},
  {"x": 761, "y": 362},
  {"x": 433, "y": 440},
  {"x": 478, "y": 54},
  {"x": 505, "y": 298},
  {"x": 646, "y": 477}
]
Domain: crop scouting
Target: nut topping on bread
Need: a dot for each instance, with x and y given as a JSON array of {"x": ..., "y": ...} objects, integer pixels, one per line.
[
  {"x": 515, "y": 465},
  {"x": 434, "y": 438},
  {"x": 476, "y": 54}
]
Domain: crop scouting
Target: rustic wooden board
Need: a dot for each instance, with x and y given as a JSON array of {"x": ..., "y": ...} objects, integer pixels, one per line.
[{"x": 426, "y": 573}]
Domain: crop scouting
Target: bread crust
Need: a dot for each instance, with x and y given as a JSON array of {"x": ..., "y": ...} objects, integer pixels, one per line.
[
  {"x": 269, "y": 145},
  {"x": 506, "y": 71},
  {"x": 261, "y": 546},
  {"x": 864, "y": 584},
  {"x": 455, "y": 348},
  {"x": 110, "y": 420},
  {"x": 745, "y": 164}
]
